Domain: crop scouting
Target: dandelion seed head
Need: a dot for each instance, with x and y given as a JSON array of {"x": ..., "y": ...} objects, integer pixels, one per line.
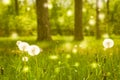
[
  {"x": 34, "y": 50},
  {"x": 101, "y": 16},
  {"x": 23, "y": 46},
  {"x": 18, "y": 42},
  {"x": 84, "y": 9},
  {"x": 25, "y": 59},
  {"x": 108, "y": 43}
]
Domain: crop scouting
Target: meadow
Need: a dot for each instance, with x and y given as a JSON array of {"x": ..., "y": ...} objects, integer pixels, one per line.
[{"x": 60, "y": 60}]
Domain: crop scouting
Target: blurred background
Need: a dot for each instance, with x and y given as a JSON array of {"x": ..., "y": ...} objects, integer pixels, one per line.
[{"x": 18, "y": 17}]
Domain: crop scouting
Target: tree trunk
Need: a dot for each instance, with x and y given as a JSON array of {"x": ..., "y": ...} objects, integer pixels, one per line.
[
  {"x": 16, "y": 7},
  {"x": 43, "y": 25},
  {"x": 78, "y": 31},
  {"x": 107, "y": 21},
  {"x": 98, "y": 35}
]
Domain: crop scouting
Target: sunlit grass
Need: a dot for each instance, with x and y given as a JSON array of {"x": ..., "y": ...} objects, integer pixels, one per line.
[{"x": 60, "y": 60}]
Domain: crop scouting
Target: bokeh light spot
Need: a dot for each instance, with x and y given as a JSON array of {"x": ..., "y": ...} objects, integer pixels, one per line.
[{"x": 53, "y": 57}]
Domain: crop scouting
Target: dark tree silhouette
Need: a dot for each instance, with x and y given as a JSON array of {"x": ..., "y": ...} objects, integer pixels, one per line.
[
  {"x": 16, "y": 7},
  {"x": 78, "y": 30},
  {"x": 43, "y": 25},
  {"x": 98, "y": 35},
  {"x": 107, "y": 20}
]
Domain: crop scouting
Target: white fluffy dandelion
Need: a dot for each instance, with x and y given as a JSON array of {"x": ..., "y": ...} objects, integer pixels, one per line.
[
  {"x": 108, "y": 43},
  {"x": 18, "y": 43},
  {"x": 34, "y": 50},
  {"x": 23, "y": 46}
]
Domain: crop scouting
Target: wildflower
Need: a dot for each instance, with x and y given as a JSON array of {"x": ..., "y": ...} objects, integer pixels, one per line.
[
  {"x": 23, "y": 46},
  {"x": 108, "y": 43},
  {"x": 34, "y": 50}
]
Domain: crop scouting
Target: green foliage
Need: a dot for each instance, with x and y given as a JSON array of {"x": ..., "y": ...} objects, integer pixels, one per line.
[
  {"x": 23, "y": 24},
  {"x": 61, "y": 18},
  {"x": 114, "y": 18}
]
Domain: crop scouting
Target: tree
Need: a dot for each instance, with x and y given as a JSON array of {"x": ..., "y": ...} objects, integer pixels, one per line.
[
  {"x": 107, "y": 16},
  {"x": 43, "y": 25},
  {"x": 78, "y": 30},
  {"x": 98, "y": 35},
  {"x": 16, "y": 7}
]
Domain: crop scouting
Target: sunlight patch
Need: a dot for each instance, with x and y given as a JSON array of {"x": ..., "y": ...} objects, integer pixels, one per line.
[
  {"x": 67, "y": 46},
  {"x": 6, "y": 2},
  {"x": 61, "y": 20},
  {"x": 76, "y": 64},
  {"x": 92, "y": 21},
  {"x": 48, "y": 5},
  {"x": 94, "y": 65},
  {"x": 69, "y": 13},
  {"x": 25, "y": 69},
  {"x": 74, "y": 50},
  {"x": 101, "y": 16},
  {"x": 100, "y": 4},
  {"x": 83, "y": 44},
  {"x": 53, "y": 57},
  {"x": 106, "y": 35},
  {"x": 68, "y": 56},
  {"x": 14, "y": 35}
]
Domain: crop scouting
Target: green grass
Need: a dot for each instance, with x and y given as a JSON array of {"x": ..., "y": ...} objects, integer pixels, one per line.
[{"x": 86, "y": 60}]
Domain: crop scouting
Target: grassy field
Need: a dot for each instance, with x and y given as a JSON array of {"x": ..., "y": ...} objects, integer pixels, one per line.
[{"x": 60, "y": 60}]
